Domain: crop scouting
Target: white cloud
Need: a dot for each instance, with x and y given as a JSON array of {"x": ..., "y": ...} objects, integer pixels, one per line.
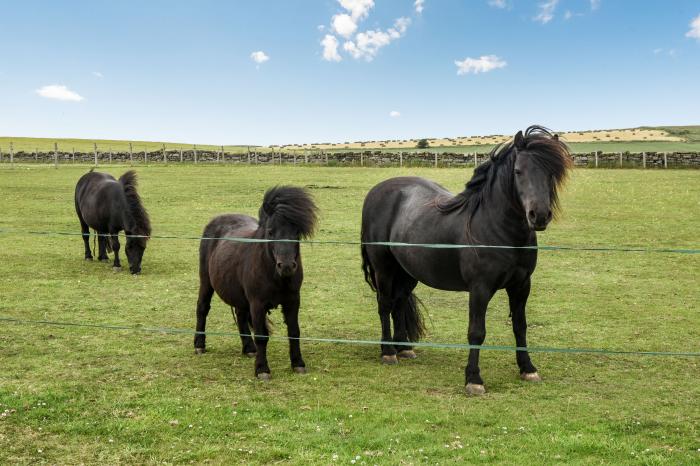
[
  {"x": 483, "y": 64},
  {"x": 344, "y": 25},
  {"x": 546, "y": 13},
  {"x": 394, "y": 114},
  {"x": 367, "y": 44},
  {"x": 97, "y": 74},
  {"x": 595, "y": 4},
  {"x": 419, "y": 6},
  {"x": 59, "y": 92},
  {"x": 321, "y": 27},
  {"x": 359, "y": 9},
  {"x": 259, "y": 57},
  {"x": 330, "y": 48},
  {"x": 498, "y": 3},
  {"x": 694, "y": 32}
]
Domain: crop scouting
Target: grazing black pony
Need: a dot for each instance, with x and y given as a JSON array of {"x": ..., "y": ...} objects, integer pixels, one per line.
[
  {"x": 508, "y": 199},
  {"x": 254, "y": 278},
  {"x": 109, "y": 206}
]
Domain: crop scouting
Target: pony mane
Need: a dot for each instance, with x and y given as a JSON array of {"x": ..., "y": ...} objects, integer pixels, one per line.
[
  {"x": 291, "y": 205},
  {"x": 551, "y": 154},
  {"x": 141, "y": 223}
]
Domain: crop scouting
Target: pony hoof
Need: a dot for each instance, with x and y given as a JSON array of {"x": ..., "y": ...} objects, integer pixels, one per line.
[
  {"x": 389, "y": 359},
  {"x": 116, "y": 269},
  {"x": 264, "y": 376},
  {"x": 250, "y": 355},
  {"x": 199, "y": 351},
  {"x": 475, "y": 389},
  {"x": 104, "y": 260},
  {"x": 299, "y": 370},
  {"x": 530, "y": 377},
  {"x": 407, "y": 354}
]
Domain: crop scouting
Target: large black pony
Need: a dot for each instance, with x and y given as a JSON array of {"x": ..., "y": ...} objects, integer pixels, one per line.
[
  {"x": 254, "y": 278},
  {"x": 109, "y": 206},
  {"x": 508, "y": 199}
]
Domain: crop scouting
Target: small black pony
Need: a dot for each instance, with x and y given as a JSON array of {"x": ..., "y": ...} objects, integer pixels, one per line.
[
  {"x": 109, "y": 206},
  {"x": 254, "y": 278},
  {"x": 508, "y": 199}
]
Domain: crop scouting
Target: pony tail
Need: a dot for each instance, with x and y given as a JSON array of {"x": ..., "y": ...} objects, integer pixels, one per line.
[
  {"x": 413, "y": 319},
  {"x": 367, "y": 269}
]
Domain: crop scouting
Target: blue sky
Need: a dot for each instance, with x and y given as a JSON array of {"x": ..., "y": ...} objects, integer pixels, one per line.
[{"x": 189, "y": 72}]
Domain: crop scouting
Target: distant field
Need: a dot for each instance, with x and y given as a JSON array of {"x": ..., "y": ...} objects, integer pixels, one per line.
[
  {"x": 71, "y": 395},
  {"x": 667, "y": 138}
]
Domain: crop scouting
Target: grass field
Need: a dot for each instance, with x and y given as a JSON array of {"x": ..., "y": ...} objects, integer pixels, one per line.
[{"x": 70, "y": 395}]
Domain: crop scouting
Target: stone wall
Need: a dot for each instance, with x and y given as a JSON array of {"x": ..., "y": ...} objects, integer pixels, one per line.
[{"x": 364, "y": 158}]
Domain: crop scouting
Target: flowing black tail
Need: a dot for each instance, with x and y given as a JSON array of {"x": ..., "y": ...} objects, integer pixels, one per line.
[{"x": 367, "y": 269}]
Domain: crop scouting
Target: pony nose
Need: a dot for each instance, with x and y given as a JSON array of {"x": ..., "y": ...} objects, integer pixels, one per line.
[{"x": 286, "y": 269}]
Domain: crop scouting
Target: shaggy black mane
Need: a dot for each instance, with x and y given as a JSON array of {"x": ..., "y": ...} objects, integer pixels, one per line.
[
  {"x": 140, "y": 222},
  {"x": 290, "y": 205},
  {"x": 546, "y": 149}
]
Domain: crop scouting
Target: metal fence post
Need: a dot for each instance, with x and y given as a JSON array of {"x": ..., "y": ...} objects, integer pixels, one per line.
[
  {"x": 400, "y": 159},
  {"x": 131, "y": 154},
  {"x": 475, "y": 160},
  {"x": 73, "y": 156},
  {"x": 110, "y": 154},
  {"x": 436, "y": 159},
  {"x": 95, "y": 148},
  {"x": 12, "y": 155},
  {"x": 180, "y": 154},
  {"x": 620, "y": 159},
  {"x": 596, "y": 159},
  {"x": 55, "y": 155},
  {"x": 165, "y": 156},
  {"x": 644, "y": 160},
  {"x": 195, "y": 153},
  {"x": 665, "y": 160}
]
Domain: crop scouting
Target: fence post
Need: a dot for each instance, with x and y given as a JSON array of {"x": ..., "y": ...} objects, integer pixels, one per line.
[
  {"x": 131, "y": 154},
  {"x": 195, "y": 153},
  {"x": 306, "y": 156},
  {"x": 145, "y": 155},
  {"x": 110, "y": 154},
  {"x": 95, "y": 148},
  {"x": 295, "y": 157},
  {"x": 644, "y": 160},
  {"x": 475, "y": 160},
  {"x": 665, "y": 160},
  {"x": 248, "y": 151},
  {"x": 180, "y": 154},
  {"x": 436, "y": 159},
  {"x": 36, "y": 154},
  {"x": 400, "y": 159},
  {"x": 73, "y": 152},
  {"x": 326, "y": 155},
  {"x": 55, "y": 155},
  {"x": 256, "y": 157},
  {"x": 223, "y": 159},
  {"x": 362, "y": 159},
  {"x": 620, "y": 159},
  {"x": 165, "y": 157},
  {"x": 12, "y": 155},
  {"x": 596, "y": 159}
]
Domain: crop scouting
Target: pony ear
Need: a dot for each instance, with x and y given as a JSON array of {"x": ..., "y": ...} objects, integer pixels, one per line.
[
  {"x": 555, "y": 137},
  {"x": 519, "y": 140}
]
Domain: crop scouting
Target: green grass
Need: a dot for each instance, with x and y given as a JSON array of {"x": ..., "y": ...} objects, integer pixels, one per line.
[{"x": 73, "y": 395}]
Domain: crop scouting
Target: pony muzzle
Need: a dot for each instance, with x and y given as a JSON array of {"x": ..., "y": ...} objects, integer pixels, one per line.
[
  {"x": 539, "y": 219},
  {"x": 286, "y": 269}
]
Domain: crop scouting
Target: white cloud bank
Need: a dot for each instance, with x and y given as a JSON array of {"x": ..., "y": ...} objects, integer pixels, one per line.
[
  {"x": 694, "y": 32},
  {"x": 59, "y": 92},
  {"x": 364, "y": 44},
  {"x": 546, "y": 13},
  {"x": 259, "y": 57},
  {"x": 483, "y": 64}
]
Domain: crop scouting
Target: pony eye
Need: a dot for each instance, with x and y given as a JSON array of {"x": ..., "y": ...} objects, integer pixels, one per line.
[{"x": 518, "y": 172}]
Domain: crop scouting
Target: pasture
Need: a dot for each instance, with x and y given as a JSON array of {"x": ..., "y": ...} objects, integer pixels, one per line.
[{"x": 76, "y": 394}]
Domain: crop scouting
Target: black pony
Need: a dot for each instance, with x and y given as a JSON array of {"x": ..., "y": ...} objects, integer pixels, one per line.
[
  {"x": 509, "y": 197},
  {"x": 254, "y": 278},
  {"x": 109, "y": 206}
]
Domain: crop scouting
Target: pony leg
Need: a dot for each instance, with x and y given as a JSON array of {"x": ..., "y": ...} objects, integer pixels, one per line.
[
  {"x": 206, "y": 291},
  {"x": 102, "y": 247},
  {"x": 85, "y": 229},
  {"x": 408, "y": 325},
  {"x": 242, "y": 321},
  {"x": 259, "y": 315},
  {"x": 517, "y": 297},
  {"x": 291, "y": 318},
  {"x": 114, "y": 238},
  {"x": 385, "y": 303},
  {"x": 479, "y": 298}
]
